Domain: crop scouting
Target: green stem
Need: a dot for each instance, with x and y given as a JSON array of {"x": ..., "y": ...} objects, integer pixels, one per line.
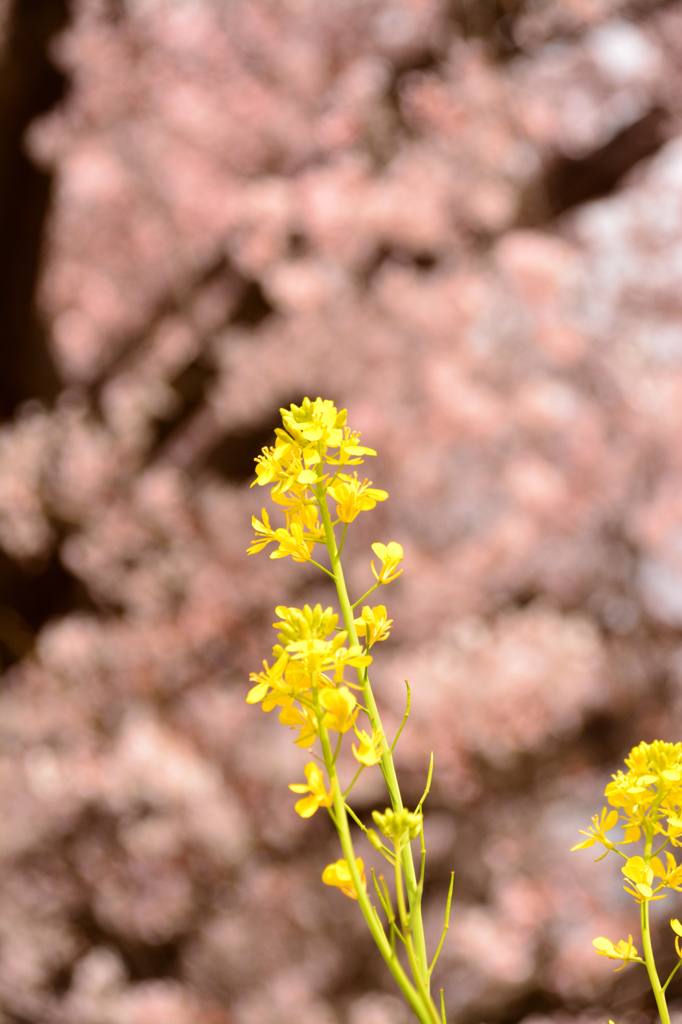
[
  {"x": 414, "y": 997},
  {"x": 659, "y": 994},
  {"x": 672, "y": 974},
  {"x": 388, "y": 768}
]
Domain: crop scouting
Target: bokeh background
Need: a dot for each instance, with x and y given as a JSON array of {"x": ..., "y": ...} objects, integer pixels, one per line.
[{"x": 461, "y": 220}]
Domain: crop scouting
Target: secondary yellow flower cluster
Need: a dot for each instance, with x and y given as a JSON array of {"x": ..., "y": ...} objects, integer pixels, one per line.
[
  {"x": 647, "y": 803},
  {"x": 309, "y": 670}
]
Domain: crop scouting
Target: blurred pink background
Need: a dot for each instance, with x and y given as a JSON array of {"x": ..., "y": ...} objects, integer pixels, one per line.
[{"x": 461, "y": 220}]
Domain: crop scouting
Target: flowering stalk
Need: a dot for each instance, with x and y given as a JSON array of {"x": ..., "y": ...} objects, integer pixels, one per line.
[
  {"x": 647, "y": 800},
  {"x": 305, "y": 470}
]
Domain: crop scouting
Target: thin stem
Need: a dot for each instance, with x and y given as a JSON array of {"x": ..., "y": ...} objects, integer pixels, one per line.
[
  {"x": 370, "y": 591},
  {"x": 405, "y": 716},
  {"x": 322, "y": 568},
  {"x": 447, "y": 924},
  {"x": 419, "y": 1005},
  {"x": 671, "y": 975},
  {"x": 659, "y": 994},
  {"x": 387, "y": 765},
  {"x": 428, "y": 784},
  {"x": 661, "y": 847},
  {"x": 354, "y": 780},
  {"x": 387, "y": 908}
]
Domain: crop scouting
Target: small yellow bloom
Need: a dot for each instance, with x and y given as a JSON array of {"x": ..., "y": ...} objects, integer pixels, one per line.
[
  {"x": 318, "y": 795},
  {"x": 353, "y": 497},
  {"x": 600, "y": 825},
  {"x": 293, "y": 542},
  {"x": 350, "y": 453},
  {"x": 374, "y": 624},
  {"x": 267, "y": 534},
  {"x": 311, "y": 422},
  {"x": 640, "y": 878},
  {"x": 677, "y": 928},
  {"x": 341, "y": 709},
  {"x": 623, "y": 951},
  {"x": 267, "y": 680},
  {"x": 391, "y": 556},
  {"x": 303, "y": 721},
  {"x": 371, "y": 748},
  {"x": 339, "y": 874}
]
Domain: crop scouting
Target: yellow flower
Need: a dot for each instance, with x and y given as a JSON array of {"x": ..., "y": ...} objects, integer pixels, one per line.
[
  {"x": 341, "y": 709},
  {"x": 266, "y": 532},
  {"x": 269, "y": 678},
  {"x": 374, "y": 623},
  {"x": 600, "y": 825},
  {"x": 623, "y": 951},
  {"x": 269, "y": 466},
  {"x": 350, "y": 453},
  {"x": 301, "y": 720},
  {"x": 311, "y": 422},
  {"x": 639, "y": 879},
  {"x": 353, "y": 497},
  {"x": 391, "y": 555},
  {"x": 677, "y": 928},
  {"x": 293, "y": 542},
  {"x": 353, "y": 656},
  {"x": 318, "y": 795},
  {"x": 339, "y": 874},
  {"x": 371, "y": 748}
]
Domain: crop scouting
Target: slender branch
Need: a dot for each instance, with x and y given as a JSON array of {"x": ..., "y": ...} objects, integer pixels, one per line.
[
  {"x": 354, "y": 780},
  {"x": 322, "y": 568},
  {"x": 420, "y": 964},
  {"x": 446, "y": 925},
  {"x": 428, "y": 784},
  {"x": 370, "y": 591},
  {"x": 671, "y": 975},
  {"x": 405, "y": 716}
]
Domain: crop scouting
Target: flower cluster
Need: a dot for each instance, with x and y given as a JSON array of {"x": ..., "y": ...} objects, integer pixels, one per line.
[
  {"x": 307, "y": 471},
  {"x": 647, "y": 802},
  {"x": 314, "y": 441},
  {"x": 306, "y": 678},
  {"x": 309, "y": 671}
]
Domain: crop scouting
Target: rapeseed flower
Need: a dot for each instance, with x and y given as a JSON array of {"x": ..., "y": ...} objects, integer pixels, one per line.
[
  {"x": 391, "y": 556},
  {"x": 622, "y": 951},
  {"x": 677, "y": 928},
  {"x": 304, "y": 721},
  {"x": 339, "y": 874},
  {"x": 374, "y": 624},
  {"x": 341, "y": 708},
  {"x": 314, "y": 421},
  {"x": 317, "y": 792},
  {"x": 353, "y": 497},
  {"x": 371, "y": 747},
  {"x": 639, "y": 879}
]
